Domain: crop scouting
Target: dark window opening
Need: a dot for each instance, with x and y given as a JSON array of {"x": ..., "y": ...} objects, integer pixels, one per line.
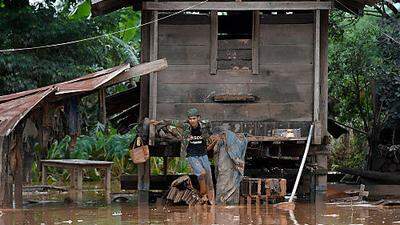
[
  {"x": 235, "y": 25},
  {"x": 234, "y": 40}
]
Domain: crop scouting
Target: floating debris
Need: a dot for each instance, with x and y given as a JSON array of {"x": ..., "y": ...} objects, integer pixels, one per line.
[
  {"x": 331, "y": 215},
  {"x": 117, "y": 213}
]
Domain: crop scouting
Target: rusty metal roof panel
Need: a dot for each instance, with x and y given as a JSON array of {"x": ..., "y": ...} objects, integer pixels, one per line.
[
  {"x": 21, "y": 94},
  {"x": 14, "y": 107},
  {"x": 91, "y": 81},
  {"x": 11, "y": 112},
  {"x": 88, "y": 82}
]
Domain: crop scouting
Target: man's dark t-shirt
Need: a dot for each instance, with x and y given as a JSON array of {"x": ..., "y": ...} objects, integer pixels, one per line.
[{"x": 197, "y": 146}]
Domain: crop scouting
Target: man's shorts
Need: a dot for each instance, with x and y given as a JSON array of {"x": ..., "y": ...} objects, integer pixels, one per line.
[{"x": 200, "y": 165}]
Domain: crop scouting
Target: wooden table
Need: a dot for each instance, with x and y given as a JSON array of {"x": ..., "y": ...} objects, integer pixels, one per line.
[{"x": 75, "y": 167}]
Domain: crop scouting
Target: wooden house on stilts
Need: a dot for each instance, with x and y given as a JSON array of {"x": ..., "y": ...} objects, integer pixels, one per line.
[{"x": 255, "y": 66}]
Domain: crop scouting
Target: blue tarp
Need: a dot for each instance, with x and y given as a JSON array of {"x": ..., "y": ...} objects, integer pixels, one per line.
[{"x": 229, "y": 170}]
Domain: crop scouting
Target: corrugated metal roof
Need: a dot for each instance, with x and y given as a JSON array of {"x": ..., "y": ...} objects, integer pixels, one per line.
[
  {"x": 11, "y": 112},
  {"x": 88, "y": 82},
  {"x": 14, "y": 107},
  {"x": 92, "y": 81}
]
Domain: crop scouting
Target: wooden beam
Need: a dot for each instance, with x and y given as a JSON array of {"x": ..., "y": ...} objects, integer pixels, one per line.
[
  {"x": 6, "y": 193},
  {"x": 324, "y": 71},
  {"x": 317, "y": 88},
  {"x": 79, "y": 186},
  {"x": 144, "y": 57},
  {"x": 18, "y": 176},
  {"x": 316, "y": 65},
  {"x": 44, "y": 174},
  {"x": 144, "y": 176},
  {"x": 144, "y": 168},
  {"x": 107, "y": 185},
  {"x": 237, "y": 6},
  {"x": 214, "y": 42},
  {"x": 102, "y": 106},
  {"x": 145, "y": 93},
  {"x": 153, "y": 76},
  {"x": 139, "y": 70},
  {"x": 255, "y": 42}
]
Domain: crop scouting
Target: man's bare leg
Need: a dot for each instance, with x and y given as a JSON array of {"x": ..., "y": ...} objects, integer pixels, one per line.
[{"x": 202, "y": 184}]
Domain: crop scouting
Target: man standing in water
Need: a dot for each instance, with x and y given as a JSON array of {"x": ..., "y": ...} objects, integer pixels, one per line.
[{"x": 196, "y": 140}]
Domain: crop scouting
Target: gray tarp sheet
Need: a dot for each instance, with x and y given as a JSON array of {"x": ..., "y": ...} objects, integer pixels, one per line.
[{"x": 229, "y": 160}]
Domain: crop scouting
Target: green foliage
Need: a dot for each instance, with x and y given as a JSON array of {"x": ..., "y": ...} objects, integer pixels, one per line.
[
  {"x": 359, "y": 54},
  {"x": 81, "y": 10},
  {"x": 364, "y": 75},
  {"x": 22, "y": 25},
  {"x": 175, "y": 166},
  {"x": 348, "y": 152},
  {"x": 99, "y": 145}
]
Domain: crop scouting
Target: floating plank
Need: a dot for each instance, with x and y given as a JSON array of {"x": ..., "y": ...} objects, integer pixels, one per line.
[{"x": 237, "y": 6}]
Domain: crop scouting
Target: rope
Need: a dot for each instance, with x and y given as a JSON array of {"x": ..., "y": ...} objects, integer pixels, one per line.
[{"x": 99, "y": 36}]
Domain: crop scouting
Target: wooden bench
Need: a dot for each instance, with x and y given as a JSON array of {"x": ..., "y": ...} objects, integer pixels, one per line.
[{"x": 75, "y": 167}]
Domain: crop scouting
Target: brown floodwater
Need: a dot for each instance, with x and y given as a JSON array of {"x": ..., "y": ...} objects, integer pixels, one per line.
[{"x": 319, "y": 212}]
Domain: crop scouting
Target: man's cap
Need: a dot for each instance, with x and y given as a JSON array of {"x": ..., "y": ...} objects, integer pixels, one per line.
[{"x": 192, "y": 112}]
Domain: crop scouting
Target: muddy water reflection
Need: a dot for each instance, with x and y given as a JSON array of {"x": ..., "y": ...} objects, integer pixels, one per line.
[{"x": 128, "y": 213}]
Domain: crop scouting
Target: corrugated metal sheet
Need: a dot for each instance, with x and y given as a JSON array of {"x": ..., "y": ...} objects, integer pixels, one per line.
[
  {"x": 11, "y": 112},
  {"x": 92, "y": 81},
  {"x": 88, "y": 82},
  {"x": 14, "y": 107}
]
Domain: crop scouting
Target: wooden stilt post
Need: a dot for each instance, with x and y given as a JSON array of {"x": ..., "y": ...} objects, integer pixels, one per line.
[
  {"x": 165, "y": 165},
  {"x": 322, "y": 154},
  {"x": 44, "y": 175},
  {"x": 102, "y": 106},
  {"x": 153, "y": 76},
  {"x": 317, "y": 75},
  {"x": 258, "y": 198},
  {"x": 249, "y": 194},
  {"x": 108, "y": 185},
  {"x": 72, "y": 187},
  {"x": 18, "y": 176},
  {"x": 144, "y": 168},
  {"x": 5, "y": 178},
  {"x": 79, "y": 188}
]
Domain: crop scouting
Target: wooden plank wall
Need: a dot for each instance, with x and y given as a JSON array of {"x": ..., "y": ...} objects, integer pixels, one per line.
[{"x": 284, "y": 85}]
